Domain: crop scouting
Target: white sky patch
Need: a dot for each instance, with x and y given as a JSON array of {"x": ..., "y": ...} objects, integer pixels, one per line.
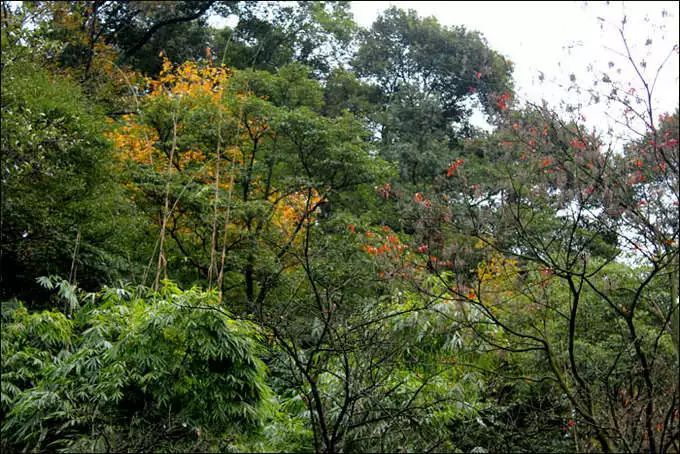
[{"x": 220, "y": 22}]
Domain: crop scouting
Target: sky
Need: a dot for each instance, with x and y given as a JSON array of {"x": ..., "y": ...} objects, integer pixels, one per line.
[{"x": 563, "y": 38}]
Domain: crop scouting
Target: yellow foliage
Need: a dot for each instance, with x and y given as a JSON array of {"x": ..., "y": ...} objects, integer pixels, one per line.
[
  {"x": 480, "y": 244},
  {"x": 189, "y": 86},
  {"x": 189, "y": 157},
  {"x": 498, "y": 273},
  {"x": 294, "y": 208},
  {"x": 235, "y": 155},
  {"x": 134, "y": 141},
  {"x": 191, "y": 81}
]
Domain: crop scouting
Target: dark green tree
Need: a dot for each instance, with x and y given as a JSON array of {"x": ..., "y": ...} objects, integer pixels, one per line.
[
  {"x": 429, "y": 76},
  {"x": 61, "y": 210}
]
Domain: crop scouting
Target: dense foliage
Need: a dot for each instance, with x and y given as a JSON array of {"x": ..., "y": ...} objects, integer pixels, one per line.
[{"x": 286, "y": 235}]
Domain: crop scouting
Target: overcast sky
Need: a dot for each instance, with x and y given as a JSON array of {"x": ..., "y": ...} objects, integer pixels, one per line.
[{"x": 561, "y": 38}]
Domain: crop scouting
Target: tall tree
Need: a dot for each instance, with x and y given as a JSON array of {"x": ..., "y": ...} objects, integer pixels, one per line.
[{"x": 428, "y": 76}]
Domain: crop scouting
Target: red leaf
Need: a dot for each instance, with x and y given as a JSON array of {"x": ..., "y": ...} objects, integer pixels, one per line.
[{"x": 454, "y": 166}]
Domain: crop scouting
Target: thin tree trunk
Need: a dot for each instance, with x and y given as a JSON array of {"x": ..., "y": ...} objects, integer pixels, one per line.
[{"x": 162, "y": 263}]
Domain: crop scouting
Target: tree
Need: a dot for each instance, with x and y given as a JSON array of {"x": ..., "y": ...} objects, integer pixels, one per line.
[
  {"x": 411, "y": 283},
  {"x": 364, "y": 352},
  {"x": 428, "y": 75},
  {"x": 256, "y": 177},
  {"x": 579, "y": 241},
  {"x": 279, "y": 160},
  {"x": 57, "y": 207}
]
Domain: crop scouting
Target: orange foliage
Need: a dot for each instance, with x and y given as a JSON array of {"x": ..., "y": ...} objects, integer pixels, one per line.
[
  {"x": 134, "y": 141},
  {"x": 392, "y": 257},
  {"x": 294, "y": 208},
  {"x": 180, "y": 91},
  {"x": 454, "y": 166},
  {"x": 137, "y": 141},
  {"x": 191, "y": 81},
  {"x": 189, "y": 157}
]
